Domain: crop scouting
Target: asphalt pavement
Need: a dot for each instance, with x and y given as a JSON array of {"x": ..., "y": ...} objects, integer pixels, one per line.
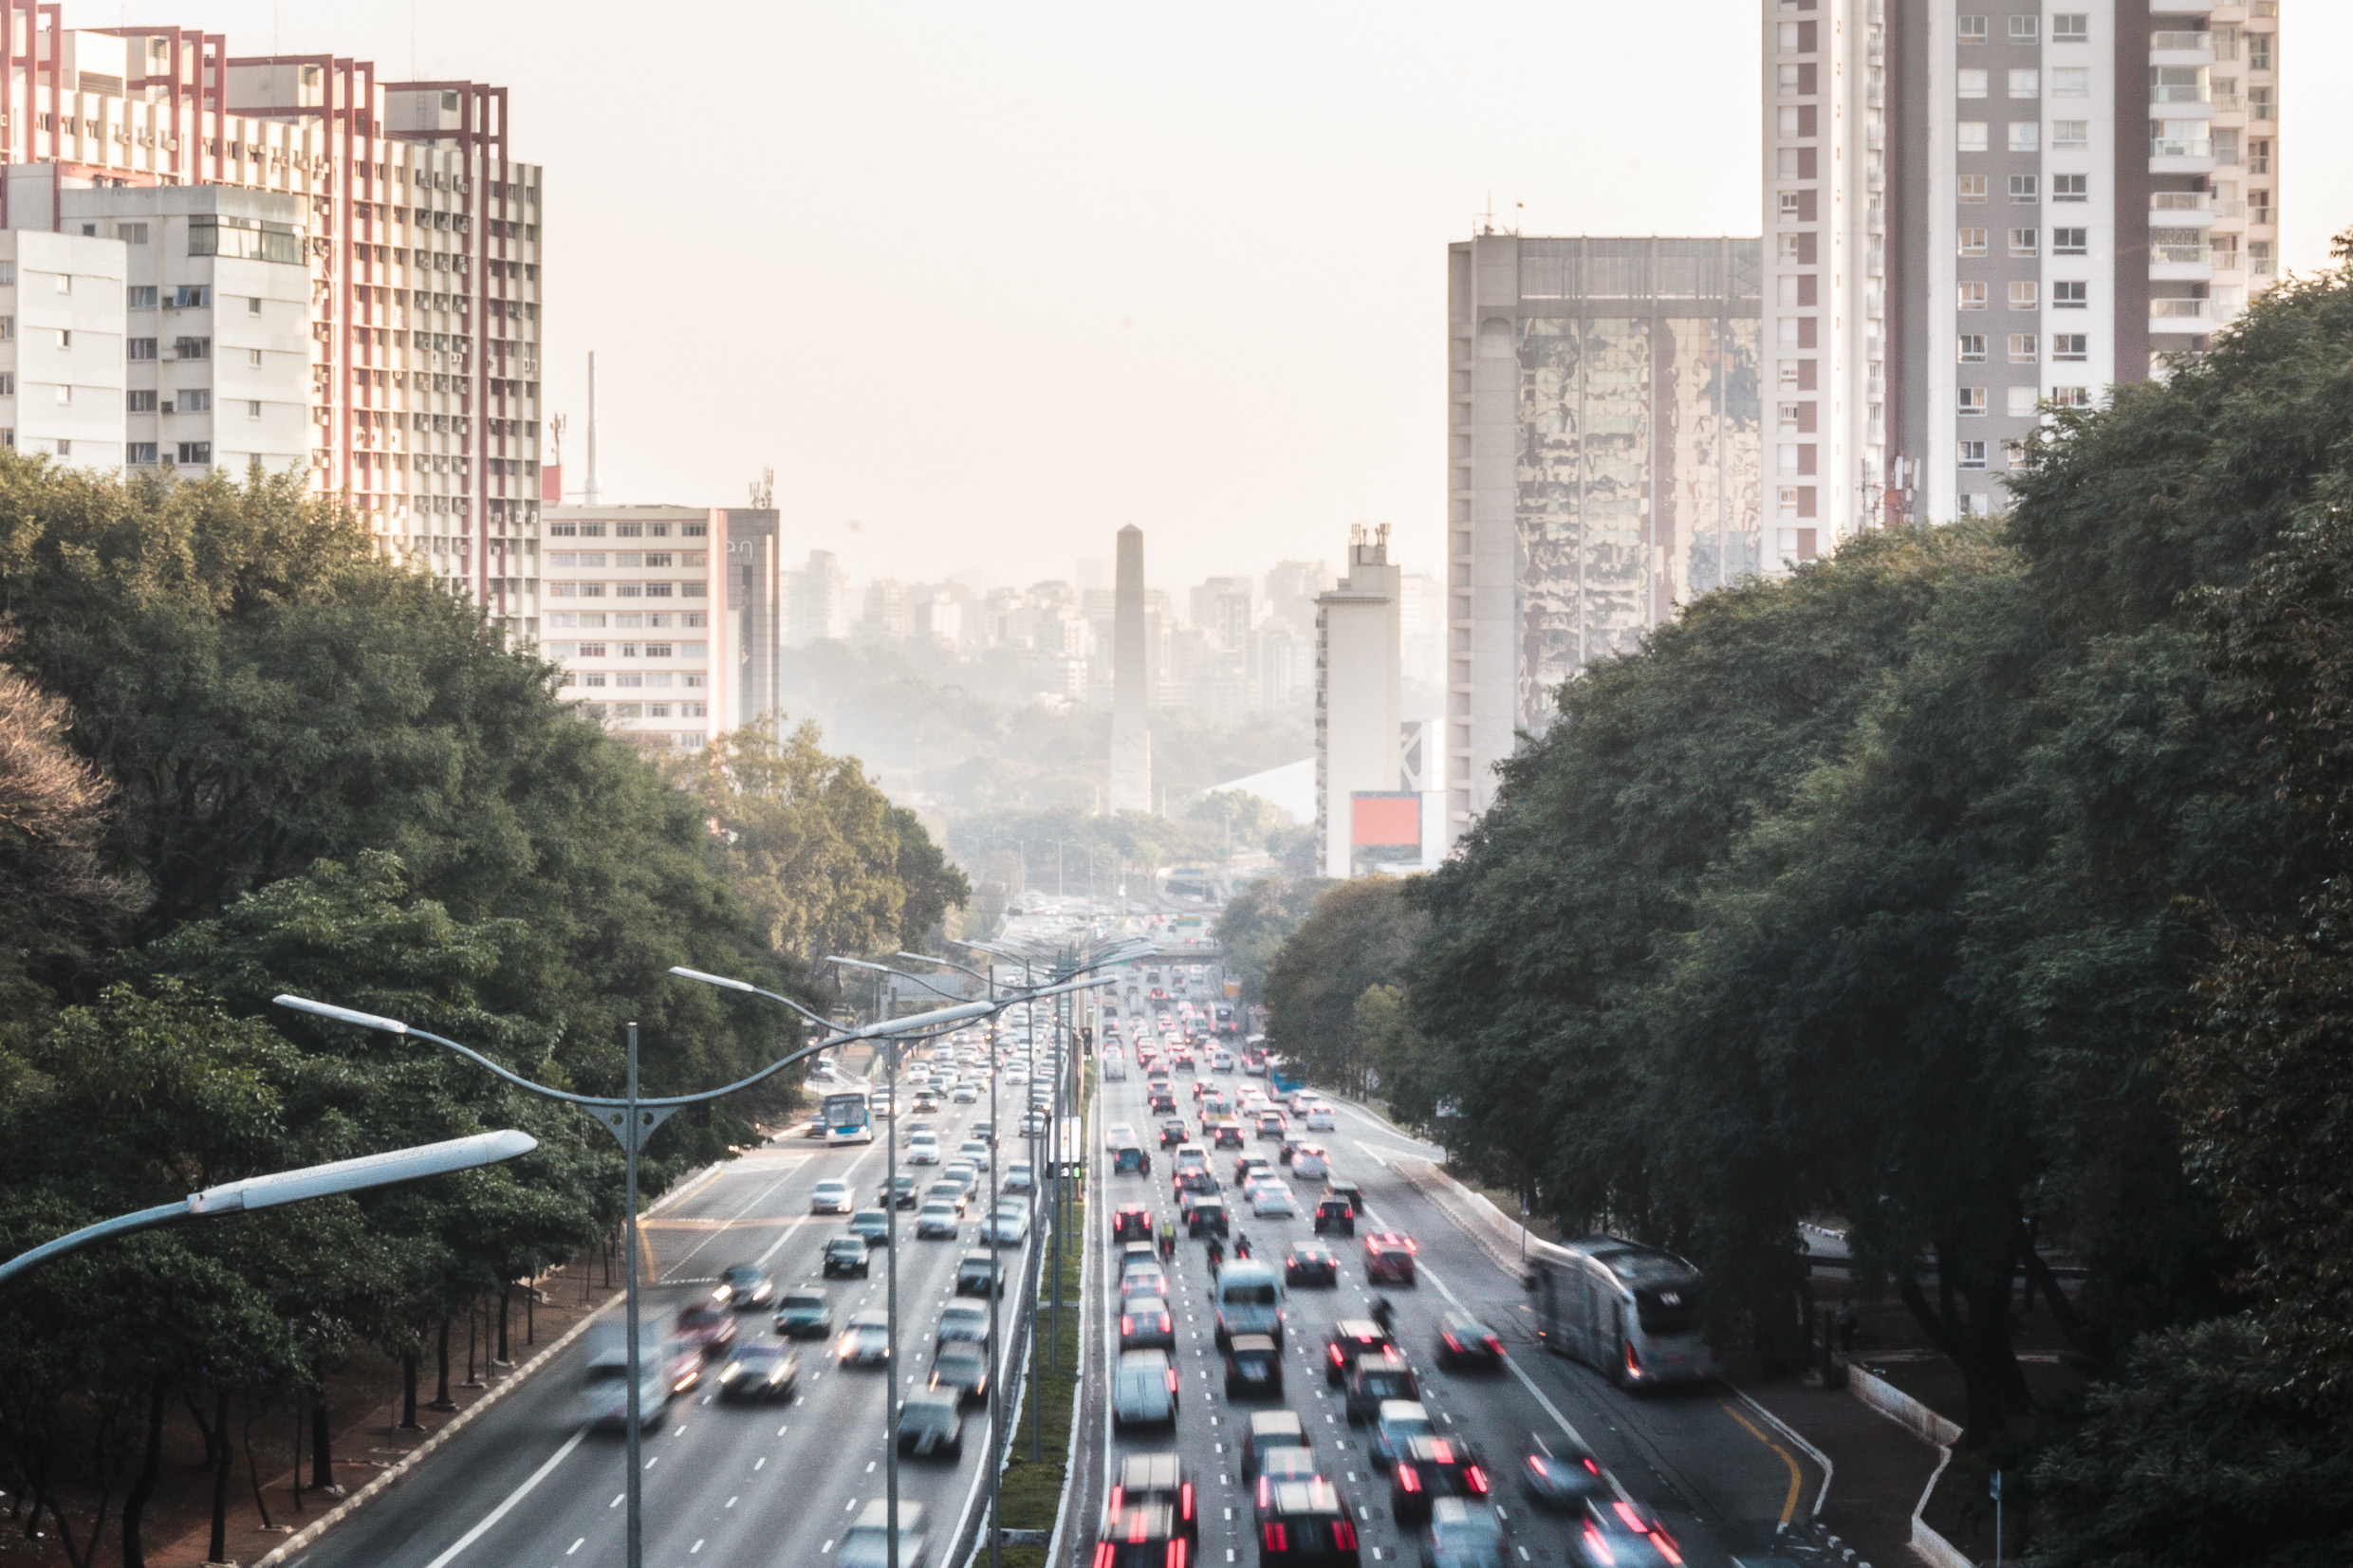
[
  {"x": 1715, "y": 1471},
  {"x": 528, "y": 1487}
]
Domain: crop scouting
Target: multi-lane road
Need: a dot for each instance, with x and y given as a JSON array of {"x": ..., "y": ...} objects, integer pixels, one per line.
[
  {"x": 1715, "y": 1469},
  {"x": 528, "y": 1487}
]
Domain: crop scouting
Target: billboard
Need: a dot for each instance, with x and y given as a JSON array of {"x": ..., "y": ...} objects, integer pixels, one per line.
[{"x": 1385, "y": 818}]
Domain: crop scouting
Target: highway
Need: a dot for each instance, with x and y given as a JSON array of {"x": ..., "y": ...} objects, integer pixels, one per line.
[
  {"x": 528, "y": 1487},
  {"x": 1719, "y": 1475}
]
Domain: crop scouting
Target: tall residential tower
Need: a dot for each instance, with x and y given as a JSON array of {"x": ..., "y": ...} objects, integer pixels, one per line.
[{"x": 1131, "y": 733}]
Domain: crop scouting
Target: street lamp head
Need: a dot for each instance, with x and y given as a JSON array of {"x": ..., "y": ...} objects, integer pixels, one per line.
[
  {"x": 319, "y": 1181},
  {"x": 857, "y": 964},
  {"x": 719, "y": 980},
  {"x": 342, "y": 1015}
]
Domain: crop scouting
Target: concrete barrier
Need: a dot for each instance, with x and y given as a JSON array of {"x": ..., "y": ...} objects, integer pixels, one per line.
[{"x": 1926, "y": 1425}]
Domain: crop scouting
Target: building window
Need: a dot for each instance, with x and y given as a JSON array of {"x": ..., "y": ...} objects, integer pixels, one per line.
[
  {"x": 64, "y": 340},
  {"x": 2071, "y": 396},
  {"x": 2070, "y": 133},
  {"x": 2023, "y": 241},
  {"x": 2022, "y": 346},
  {"x": 2026, "y": 83},
  {"x": 2070, "y": 81},
  {"x": 139, "y": 451},
  {"x": 1973, "y": 402},
  {"x": 191, "y": 348},
  {"x": 8, "y": 383},
  {"x": 1970, "y": 135},
  {"x": 2070, "y": 242},
  {"x": 1973, "y": 297},
  {"x": 1973, "y": 242},
  {"x": 1786, "y": 250},
  {"x": 2025, "y": 190},
  {"x": 2070, "y": 27},
  {"x": 1973, "y": 457},
  {"x": 2259, "y": 260},
  {"x": 253, "y": 357},
  {"x": 2070, "y": 346},
  {"x": 2022, "y": 400},
  {"x": 138, "y": 348},
  {"x": 194, "y": 400},
  {"x": 2026, "y": 294},
  {"x": 2259, "y": 157},
  {"x": 132, "y": 233},
  {"x": 2070, "y": 187},
  {"x": 253, "y": 409},
  {"x": 140, "y": 298},
  {"x": 138, "y": 402},
  {"x": 64, "y": 394},
  {"x": 1973, "y": 189},
  {"x": 2259, "y": 51},
  {"x": 2026, "y": 30},
  {"x": 1972, "y": 29},
  {"x": 1786, "y": 79},
  {"x": 1972, "y": 82},
  {"x": 2026, "y": 136},
  {"x": 254, "y": 305},
  {"x": 195, "y": 452},
  {"x": 2070, "y": 296},
  {"x": 1972, "y": 348},
  {"x": 191, "y": 296},
  {"x": 2259, "y": 204}
]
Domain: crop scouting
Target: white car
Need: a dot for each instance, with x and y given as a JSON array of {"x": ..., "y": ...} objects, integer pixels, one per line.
[
  {"x": 936, "y": 1222},
  {"x": 1311, "y": 1163},
  {"x": 1008, "y": 1227},
  {"x": 965, "y": 1094},
  {"x": 923, "y": 1149},
  {"x": 1274, "y": 1200},
  {"x": 1017, "y": 1179},
  {"x": 831, "y": 1196},
  {"x": 1320, "y": 1119}
]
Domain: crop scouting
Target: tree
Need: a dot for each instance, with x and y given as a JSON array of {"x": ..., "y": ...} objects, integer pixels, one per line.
[
  {"x": 1257, "y": 920},
  {"x": 1359, "y": 934}
]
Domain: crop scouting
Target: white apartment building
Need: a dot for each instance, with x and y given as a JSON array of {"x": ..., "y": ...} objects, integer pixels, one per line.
[
  {"x": 1357, "y": 733},
  {"x": 417, "y": 349},
  {"x": 62, "y": 322},
  {"x": 1968, "y": 217}
]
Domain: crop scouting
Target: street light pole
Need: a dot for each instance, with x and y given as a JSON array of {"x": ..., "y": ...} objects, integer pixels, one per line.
[{"x": 631, "y": 1140}]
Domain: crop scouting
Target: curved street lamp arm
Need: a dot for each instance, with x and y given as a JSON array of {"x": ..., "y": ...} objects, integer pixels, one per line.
[{"x": 885, "y": 969}]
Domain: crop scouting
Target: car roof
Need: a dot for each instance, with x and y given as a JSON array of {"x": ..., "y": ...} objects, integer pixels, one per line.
[
  {"x": 1134, "y": 1360},
  {"x": 1359, "y": 1328},
  {"x": 1258, "y": 1344},
  {"x": 1272, "y": 1423},
  {"x": 844, "y": 1243},
  {"x": 1439, "y": 1451},
  {"x": 1403, "y": 1410},
  {"x": 1146, "y": 1304},
  {"x": 870, "y": 1318},
  {"x": 1140, "y": 1472},
  {"x": 1306, "y": 1497}
]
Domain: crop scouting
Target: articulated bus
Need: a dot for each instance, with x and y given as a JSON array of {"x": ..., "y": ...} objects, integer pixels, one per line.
[
  {"x": 847, "y": 1119},
  {"x": 1629, "y": 1311}
]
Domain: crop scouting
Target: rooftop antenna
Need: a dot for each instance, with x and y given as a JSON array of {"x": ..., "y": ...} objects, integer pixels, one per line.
[
  {"x": 589, "y": 495},
  {"x": 1489, "y": 224},
  {"x": 764, "y": 491}
]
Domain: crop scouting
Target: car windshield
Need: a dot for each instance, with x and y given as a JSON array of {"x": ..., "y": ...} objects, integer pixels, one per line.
[{"x": 804, "y": 1302}]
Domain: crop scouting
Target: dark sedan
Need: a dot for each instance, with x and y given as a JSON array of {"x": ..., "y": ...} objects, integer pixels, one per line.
[
  {"x": 758, "y": 1374},
  {"x": 1310, "y": 1263},
  {"x": 1464, "y": 1342}
]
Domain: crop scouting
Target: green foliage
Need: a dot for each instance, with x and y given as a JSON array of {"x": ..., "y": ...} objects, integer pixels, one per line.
[
  {"x": 1359, "y": 934},
  {"x": 1257, "y": 920}
]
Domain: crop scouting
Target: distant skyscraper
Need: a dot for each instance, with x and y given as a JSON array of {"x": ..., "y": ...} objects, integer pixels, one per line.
[
  {"x": 1131, "y": 735},
  {"x": 1361, "y": 812},
  {"x": 817, "y": 601},
  {"x": 1603, "y": 465}
]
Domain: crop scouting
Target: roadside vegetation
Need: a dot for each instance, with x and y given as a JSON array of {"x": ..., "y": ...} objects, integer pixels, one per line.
[{"x": 241, "y": 754}]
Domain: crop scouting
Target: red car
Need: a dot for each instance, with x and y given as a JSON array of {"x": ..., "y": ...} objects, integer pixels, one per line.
[
  {"x": 706, "y": 1328},
  {"x": 1389, "y": 1258}
]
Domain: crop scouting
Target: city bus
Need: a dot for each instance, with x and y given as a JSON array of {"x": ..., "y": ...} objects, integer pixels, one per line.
[
  {"x": 846, "y": 1118},
  {"x": 1630, "y": 1312}
]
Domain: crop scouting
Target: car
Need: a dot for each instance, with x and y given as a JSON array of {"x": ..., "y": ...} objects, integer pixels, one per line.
[
  {"x": 1161, "y": 1101},
  {"x": 1321, "y": 1119},
  {"x": 1289, "y": 1149},
  {"x": 830, "y": 1196},
  {"x": 1017, "y": 1179},
  {"x": 1305, "y": 1524},
  {"x": 1563, "y": 1480},
  {"x": 915, "y": 1130},
  {"x": 1463, "y": 1532},
  {"x": 1142, "y": 1534},
  {"x": 948, "y": 1190},
  {"x": 1311, "y": 1163},
  {"x": 1227, "y": 1134},
  {"x": 1008, "y": 1226},
  {"x": 965, "y": 1176},
  {"x": 926, "y": 1101},
  {"x": 1389, "y": 1258},
  {"x": 1145, "y": 1323},
  {"x": 930, "y": 1424},
  {"x": 1193, "y": 1181},
  {"x": 872, "y": 1225},
  {"x": 983, "y": 1134},
  {"x": 1205, "y": 1214},
  {"x": 964, "y": 1094},
  {"x": 1172, "y": 1132},
  {"x": 980, "y": 1274},
  {"x": 1349, "y": 1190},
  {"x": 1613, "y": 1532},
  {"x": 1310, "y": 1263},
  {"x": 1248, "y": 1165},
  {"x": 1157, "y": 1478},
  {"x": 755, "y": 1373},
  {"x": 1464, "y": 1342},
  {"x": 747, "y": 1288},
  {"x": 868, "y": 1543},
  {"x": 1396, "y": 1422},
  {"x": 1253, "y": 1367},
  {"x": 1130, "y": 1159},
  {"x": 847, "y": 1255},
  {"x": 924, "y": 1150},
  {"x": 1033, "y": 1124},
  {"x": 803, "y": 1313},
  {"x": 663, "y": 1371},
  {"x": 865, "y": 1341},
  {"x": 1334, "y": 1212},
  {"x": 1352, "y": 1338},
  {"x": 708, "y": 1327},
  {"x": 1131, "y": 1222},
  {"x": 937, "y": 1222},
  {"x": 1274, "y": 1201},
  {"x": 1268, "y": 1431},
  {"x": 962, "y": 1370},
  {"x": 1135, "y": 1284},
  {"x": 1375, "y": 1379},
  {"x": 961, "y": 1323},
  {"x": 1144, "y": 1390},
  {"x": 1429, "y": 1469},
  {"x": 1273, "y": 1124}
]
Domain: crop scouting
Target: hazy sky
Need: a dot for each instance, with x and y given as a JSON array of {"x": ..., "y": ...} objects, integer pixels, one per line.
[{"x": 992, "y": 280}]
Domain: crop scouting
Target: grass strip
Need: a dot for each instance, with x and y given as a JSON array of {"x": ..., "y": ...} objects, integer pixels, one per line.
[{"x": 1033, "y": 1490}]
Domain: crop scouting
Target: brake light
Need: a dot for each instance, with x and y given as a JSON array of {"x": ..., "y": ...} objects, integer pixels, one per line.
[
  {"x": 1634, "y": 1367},
  {"x": 1408, "y": 1479},
  {"x": 1136, "y": 1526},
  {"x": 1265, "y": 1490},
  {"x": 1495, "y": 1344},
  {"x": 1343, "y": 1535},
  {"x": 1536, "y": 1463},
  {"x": 1597, "y": 1548},
  {"x": 1127, "y": 1324},
  {"x": 1336, "y": 1360},
  {"x": 1276, "y": 1538},
  {"x": 1477, "y": 1479},
  {"x": 1184, "y": 1501},
  {"x": 1452, "y": 1343},
  {"x": 1441, "y": 1451},
  {"x": 1177, "y": 1553},
  {"x": 1634, "y": 1521},
  {"x": 1118, "y": 1497},
  {"x": 1666, "y": 1546},
  {"x": 1591, "y": 1466},
  {"x": 1172, "y": 1379},
  {"x": 1102, "y": 1554}
]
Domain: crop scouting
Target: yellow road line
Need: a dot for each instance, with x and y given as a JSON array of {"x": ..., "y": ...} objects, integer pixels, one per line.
[{"x": 1797, "y": 1477}]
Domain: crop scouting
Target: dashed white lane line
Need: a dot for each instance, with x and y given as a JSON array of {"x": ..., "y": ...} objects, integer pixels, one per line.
[{"x": 512, "y": 1498}]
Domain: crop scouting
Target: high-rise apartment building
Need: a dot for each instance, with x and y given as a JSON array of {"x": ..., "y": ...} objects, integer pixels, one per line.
[
  {"x": 1360, "y": 810},
  {"x": 1602, "y": 466},
  {"x": 817, "y": 601},
  {"x": 1975, "y": 209},
  {"x": 386, "y": 338}
]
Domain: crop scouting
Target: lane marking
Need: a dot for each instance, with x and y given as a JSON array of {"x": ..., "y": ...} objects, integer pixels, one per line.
[
  {"x": 512, "y": 1498},
  {"x": 577, "y": 1546},
  {"x": 1797, "y": 1477}
]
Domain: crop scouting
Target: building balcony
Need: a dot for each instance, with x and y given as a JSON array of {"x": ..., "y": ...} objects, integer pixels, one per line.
[
  {"x": 2177, "y": 316},
  {"x": 2169, "y": 156},
  {"x": 2181, "y": 48},
  {"x": 2180, "y": 208}
]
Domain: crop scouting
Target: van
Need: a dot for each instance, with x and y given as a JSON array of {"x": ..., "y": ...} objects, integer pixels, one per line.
[
  {"x": 1114, "y": 1067},
  {"x": 868, "y": 1543},
  {"x": 1249, "y": 1301}
]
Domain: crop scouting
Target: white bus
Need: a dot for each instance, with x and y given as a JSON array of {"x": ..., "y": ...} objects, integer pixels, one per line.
[
  {"x": 1630, "y": 1312},
  {"x": 846, "y": 1118}
]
